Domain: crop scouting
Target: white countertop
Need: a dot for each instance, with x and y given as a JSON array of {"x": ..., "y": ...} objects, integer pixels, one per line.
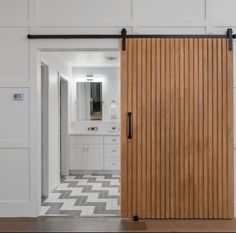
[{"x": 95, "y": 134}]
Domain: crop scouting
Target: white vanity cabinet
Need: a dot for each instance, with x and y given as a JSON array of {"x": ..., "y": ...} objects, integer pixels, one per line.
[
  {"x": 86, "y": 153},
  {"x": 94, "y": 152}
]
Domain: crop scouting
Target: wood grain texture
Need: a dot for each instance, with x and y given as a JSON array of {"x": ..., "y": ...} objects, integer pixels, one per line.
[
  {"x": 162, "y": 123},
  {"x": 224, "y": 99},
  {"x": 134, "y": 110},
  {"x": 210, "y": 131},
  {"x": 182, "y": 122},
  {"x": 130, "y": 190},
  {"x": 139, "y": 124},
  {"x": 230, "y": 134},
  {"x": 157, "y": 141},
  {"x": 176, "y": 117},
  {"x": 205, "y": 131},
  {"x": 186, "y": 128},
  {"x": 179, "y": 163}
]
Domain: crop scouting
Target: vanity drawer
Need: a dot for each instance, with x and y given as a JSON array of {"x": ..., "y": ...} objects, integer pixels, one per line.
[
  {"x": 111, "y": 164},
  {"x": 112, "y": 151},
  {"x": 86, "y": 139},
  {"x": 115, "y": 140}
]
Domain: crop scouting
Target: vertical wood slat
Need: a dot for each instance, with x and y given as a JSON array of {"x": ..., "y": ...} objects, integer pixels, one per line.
[
  {"x": 134, "y": 110},
  {"x": 144, "y": 128},
  {"x": 139, "y": 130},
  {"x": 157, "y": 104},
  {"x": 210, "y": 127},
  {"x": 224, "y": 99},
  {"x": 200, "y": 125},
  {"x": 214, "y": 134},
  {"x": 219, "y": 124},
  {"x": 179, "y": 163},
  {"x": 176, "y": 116},
  {"x": 196, "y": 131},
  {"x": 154, "y": 154},
  {"x": 167, "y": 130},
  {"x": 186, "y": 128},
  {"x": 124, "y": 163},
  {"x": 191, "y": 128},
  {"x": 172, "y": 129},
  {"x": 205, "y": 131},
  {"x": 162, "y": 123},
  {"x": 148, "y": 128},
  {"x": 230, "y": 134},
  {"x": 129, "y": 109},
  {"x": 182, "y": 122}
]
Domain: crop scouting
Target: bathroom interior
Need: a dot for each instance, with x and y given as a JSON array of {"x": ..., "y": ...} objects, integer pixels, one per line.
[{"x": 80, "y": 162}]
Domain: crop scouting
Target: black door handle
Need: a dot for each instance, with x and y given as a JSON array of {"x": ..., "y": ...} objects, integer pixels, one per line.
[{"x": 129, "y": 125}]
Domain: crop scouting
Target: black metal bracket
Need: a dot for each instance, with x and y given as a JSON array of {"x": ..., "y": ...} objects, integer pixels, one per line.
[
  {"x": 123, "y": 35},
  {"x": 230, "y": 38}
]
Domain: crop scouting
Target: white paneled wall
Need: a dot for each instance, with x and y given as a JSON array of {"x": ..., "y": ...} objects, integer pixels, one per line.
[
  {"x": 155, "y": 10},
  {"x": 169, "y": 30},
  {"x": 12, "y": 11},
  {"x": 224, "y": 11},
  {"x": 14, "y": 53},
  {"x": 83, "y": 10},
  {"x": 15, "y": 181},
  {"x": 19, "y": 129}
]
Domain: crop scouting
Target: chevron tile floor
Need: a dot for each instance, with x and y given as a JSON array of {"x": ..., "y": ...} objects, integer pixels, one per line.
[{"x": 85, "y": 195}]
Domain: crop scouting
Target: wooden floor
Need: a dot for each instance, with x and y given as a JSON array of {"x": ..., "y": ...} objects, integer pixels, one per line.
[{"x": 67, "y": 224}]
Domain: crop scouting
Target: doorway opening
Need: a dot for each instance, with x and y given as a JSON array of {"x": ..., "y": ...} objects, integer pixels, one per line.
[{"x": 80, "y": 125}]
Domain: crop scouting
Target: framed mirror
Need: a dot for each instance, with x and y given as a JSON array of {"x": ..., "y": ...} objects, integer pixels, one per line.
[{"x": 89, "y": 101}]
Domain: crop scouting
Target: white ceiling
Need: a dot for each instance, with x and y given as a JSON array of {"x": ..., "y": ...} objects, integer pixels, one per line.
[{"x": 91, "y": 58}]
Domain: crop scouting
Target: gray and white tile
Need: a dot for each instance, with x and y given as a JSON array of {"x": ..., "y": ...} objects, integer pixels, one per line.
[{"x": 85, "y": 195}]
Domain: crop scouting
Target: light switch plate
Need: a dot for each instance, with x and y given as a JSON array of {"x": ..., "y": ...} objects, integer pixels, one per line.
[{"x": 18, "y": 96}]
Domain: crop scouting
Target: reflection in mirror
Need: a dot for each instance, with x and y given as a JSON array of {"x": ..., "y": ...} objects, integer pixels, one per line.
[{"x": 89, "y": 101}]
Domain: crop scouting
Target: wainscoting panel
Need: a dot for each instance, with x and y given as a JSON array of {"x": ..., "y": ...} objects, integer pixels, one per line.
[
  {"x": 14, "y": 176},
  {"x": 83, "y": 10}
]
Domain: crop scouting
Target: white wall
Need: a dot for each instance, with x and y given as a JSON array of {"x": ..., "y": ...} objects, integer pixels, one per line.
[
  {"x": 20, "y": 152},
  {"x": 55, "y": 64}
]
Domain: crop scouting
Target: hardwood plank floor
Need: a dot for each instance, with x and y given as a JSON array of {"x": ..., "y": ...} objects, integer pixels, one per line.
[{"x": 75, "y": 224}]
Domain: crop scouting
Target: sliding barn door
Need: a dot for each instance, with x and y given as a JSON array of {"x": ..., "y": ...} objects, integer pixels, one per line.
[{"x": 177, "y": 129}]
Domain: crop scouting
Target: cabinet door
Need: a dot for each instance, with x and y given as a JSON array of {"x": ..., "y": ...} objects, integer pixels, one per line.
[
  {"x": 94, "y": 157},
  {"x": 77, "y": 157}
]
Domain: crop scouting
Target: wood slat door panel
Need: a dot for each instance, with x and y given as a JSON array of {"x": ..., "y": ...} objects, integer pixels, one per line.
[{"x": 179, "y": 162}]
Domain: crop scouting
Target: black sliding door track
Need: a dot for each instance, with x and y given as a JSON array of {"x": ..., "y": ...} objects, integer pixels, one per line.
[
  {"x": 90, "y": 36},
  {"x": 124, "y": 35}
]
